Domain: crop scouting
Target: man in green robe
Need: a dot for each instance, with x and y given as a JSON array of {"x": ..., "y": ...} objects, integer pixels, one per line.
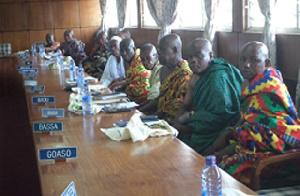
[{"x": 212, "y": 100}]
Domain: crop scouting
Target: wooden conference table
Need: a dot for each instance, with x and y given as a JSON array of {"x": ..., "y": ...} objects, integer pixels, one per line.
[{"x": 156, "y": 166}]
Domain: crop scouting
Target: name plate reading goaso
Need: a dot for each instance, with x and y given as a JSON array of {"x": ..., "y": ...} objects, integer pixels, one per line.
[
  {"x": 70, "y": 190},
  {"x": 53, "y": 112},
  {"x": 31, "y": 70},
  {"x": 47, "y": 126},
  {"x": 24, "y": 67},
  {"x": 57, "y": 153},
  {"x": 43, "y": 99},
  {"x": 37, "y": 89}
]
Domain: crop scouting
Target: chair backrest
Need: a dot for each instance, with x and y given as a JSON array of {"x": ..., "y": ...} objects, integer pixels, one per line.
[{"x": 5, "y": 49}]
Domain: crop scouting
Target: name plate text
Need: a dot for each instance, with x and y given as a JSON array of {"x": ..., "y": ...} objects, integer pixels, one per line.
[
  {"x": 43, "y": 99},
  {"x": 57, "y": 153},
  {"x": 30, "y": 70},
  {"x": 37, "y": 89},
  {"x": 47, "y": 126},
  {"x": 53, "y": 112}
]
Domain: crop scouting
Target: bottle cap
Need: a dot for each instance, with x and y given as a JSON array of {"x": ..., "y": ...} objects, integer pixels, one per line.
[{"x": 210, "y": 160}]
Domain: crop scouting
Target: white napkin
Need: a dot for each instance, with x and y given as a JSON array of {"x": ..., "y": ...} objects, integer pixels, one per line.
[{"x": 138, "y": 131}]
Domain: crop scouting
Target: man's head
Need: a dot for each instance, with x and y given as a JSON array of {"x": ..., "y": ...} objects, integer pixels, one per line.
[
  {"x": 125, "y": 34},
  {"x": 170, "y": 47},
  {"x": 199, "y": 55},
  {"x": 149, "y": 56},
  {"x": 102, "y": 37},
  {"x": 115, "y": 45},
  {"x": 50, "y": 38},
  {"x": 254, "y": 59},
  {"x": 127, "y": 49},
  {"x": 68, "y": 35}
]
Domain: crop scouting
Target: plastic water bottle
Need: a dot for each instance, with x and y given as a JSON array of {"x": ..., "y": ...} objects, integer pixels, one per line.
[
  {"x": 80, "y": 80},
  {"x": 72, "y": 70},
  {"x": 59, "y": 61},
  {"x": 87, "y": 108},
  {"x": 42, "y": 53},
  {"x": 211, "y": 180}
]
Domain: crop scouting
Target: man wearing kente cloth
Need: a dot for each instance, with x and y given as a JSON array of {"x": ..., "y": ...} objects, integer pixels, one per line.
[
  {"x": 212, "y": 100},
  {"x": 269, "y": 125},
  {"x": 137, "y": 77},
  {"x": 174, "y": 76}
]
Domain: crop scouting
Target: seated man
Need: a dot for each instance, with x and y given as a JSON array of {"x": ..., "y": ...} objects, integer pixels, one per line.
[
  {"x": 95, "y": 64},
  {"x": 125, "y": 34},
  {"x": 50, "y": 44},
  {"x": 137, "y": 77},
  {"x": 72, "y": 47},
  {"x": 212, "y": 98},
  {"x": 174, "y": 77},
  {"x": 269, "y": 125},
  {"x": 150, "y": 61},
  {"x": 114, "y": 70}
]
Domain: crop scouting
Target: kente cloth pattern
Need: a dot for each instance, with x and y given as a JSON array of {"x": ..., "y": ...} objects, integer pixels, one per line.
[
  {"x": 270, "y": 124},
  {"x": 137, "y": 79},
  {"x": 173, "y": 89},
  {"x": 216, "y": 103}
]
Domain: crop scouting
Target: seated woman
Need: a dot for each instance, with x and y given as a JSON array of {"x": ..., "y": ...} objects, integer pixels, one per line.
[
  {"x": 269, "y": 125},
  {"x": 94, "y": 65},
  {"x": 50, "y": 44},
  {"x": 72, "y": 47}
]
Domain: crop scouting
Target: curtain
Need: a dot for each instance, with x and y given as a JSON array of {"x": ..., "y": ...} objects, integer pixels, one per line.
[
  {"x": 211, "y": 7},
  {"x": 104, "y": 7},
  {"x": 267, "y": 8},
  {"x": 121, "y": 9},
  {"x": 164, "y": 13}
]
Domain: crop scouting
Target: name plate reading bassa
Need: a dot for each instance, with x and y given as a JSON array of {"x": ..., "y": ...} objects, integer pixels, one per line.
[
  {"x": 37, "y": 89},
  {"x": 31, "y": 70},
  {"x": 57, "y": 153},
  {"x": 47, "y": 126},
  {"x": 70, "y": 190},
  {"x": 43, "y": 99},
  {"x": 53, "y": 112}
]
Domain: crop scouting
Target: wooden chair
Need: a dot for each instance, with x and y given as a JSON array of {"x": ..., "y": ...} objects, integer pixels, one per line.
[{"x": 260, "y": 164}]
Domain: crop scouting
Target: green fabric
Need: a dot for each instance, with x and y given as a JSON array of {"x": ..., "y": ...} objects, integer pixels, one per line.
[{"x": 215, "y": 102}]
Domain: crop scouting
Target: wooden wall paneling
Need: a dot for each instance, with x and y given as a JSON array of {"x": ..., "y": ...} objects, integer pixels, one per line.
[
  {"x": 1, "y": 34},
  {"x": 288, "y": 58},
  {"x": 151, "y": 36},
  {"x": 65, "y": 14},
  {"x": 38, "y": 35},
  {"x": 227, "y": 47},
  {"x": 87, "y": 38},
  {"x": 90, "y": 14},
  {"x": 36, "y": 17},
  {"x": 19, "y": 40},
  {"x": 48, "y": 14},
  {"x": 59, "y": 34},
  {"x": 14, "y": 16}
]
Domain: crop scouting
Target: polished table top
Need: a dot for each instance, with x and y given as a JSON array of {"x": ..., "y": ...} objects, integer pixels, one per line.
[{"x": 156, "y": 166}]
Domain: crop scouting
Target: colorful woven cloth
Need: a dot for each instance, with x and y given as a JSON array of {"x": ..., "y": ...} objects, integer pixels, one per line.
[
  {"x": 137, "y": 79},
  {"x": 216, "y": 103},
  {"x": 270, "y": 124},
  {"x": 173, "y": 90}
]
